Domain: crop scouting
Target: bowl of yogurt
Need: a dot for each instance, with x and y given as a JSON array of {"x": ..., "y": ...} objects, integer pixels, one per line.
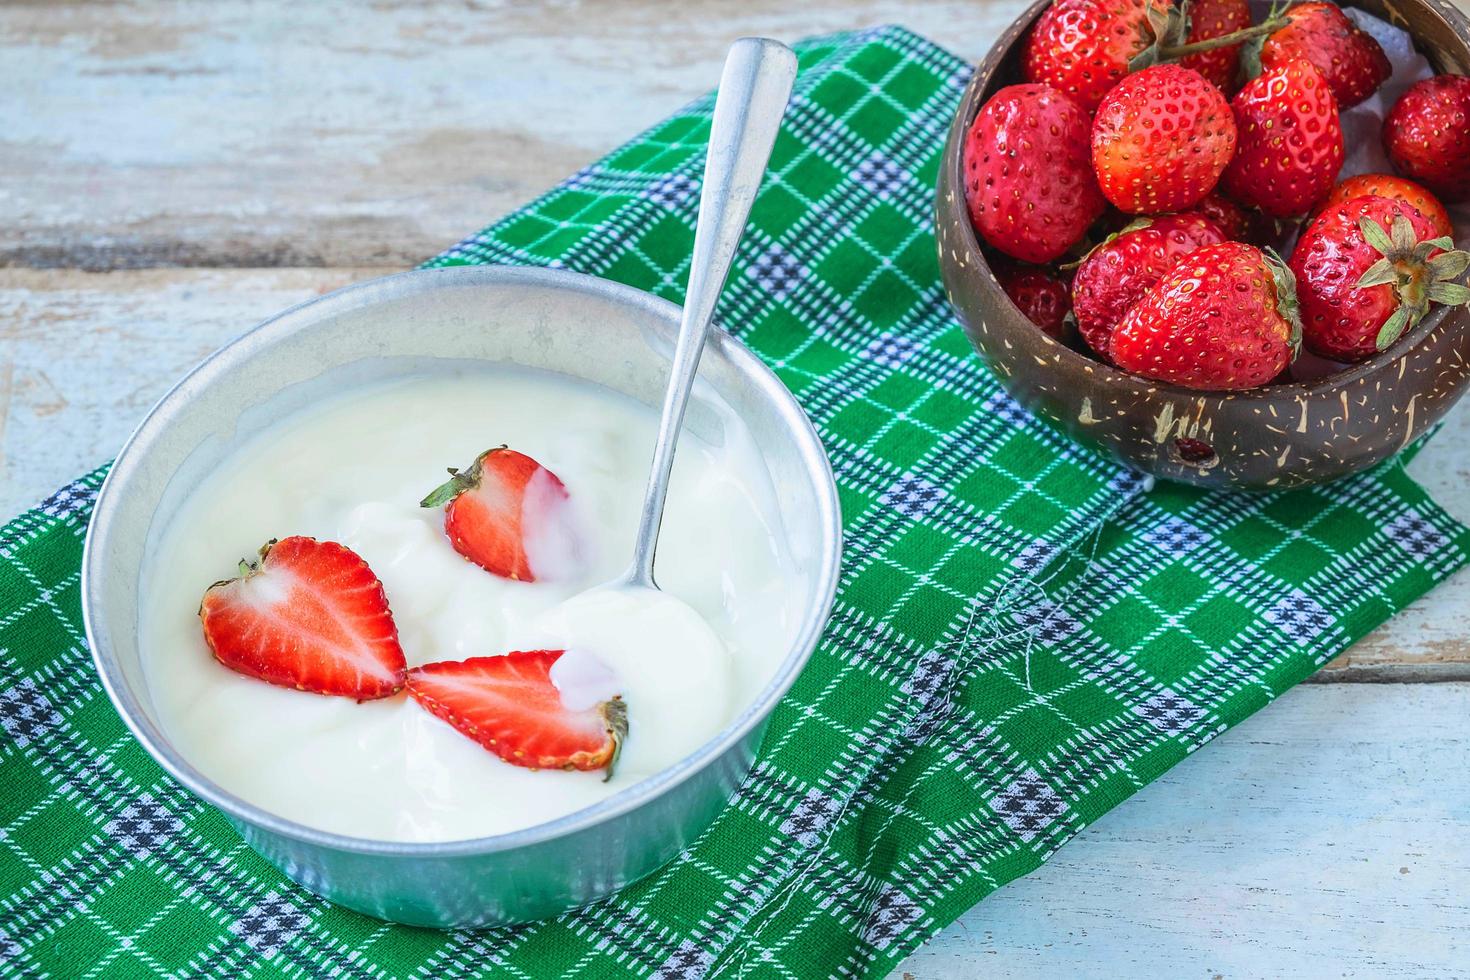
[{"x": 426, "y": 790}]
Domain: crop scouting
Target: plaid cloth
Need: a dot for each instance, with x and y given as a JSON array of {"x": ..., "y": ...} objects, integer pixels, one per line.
[{"x": 1025, "y": 633}]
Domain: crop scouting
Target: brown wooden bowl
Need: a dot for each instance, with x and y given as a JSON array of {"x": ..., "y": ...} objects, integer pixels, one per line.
[{"x": 1285, "y": 435}]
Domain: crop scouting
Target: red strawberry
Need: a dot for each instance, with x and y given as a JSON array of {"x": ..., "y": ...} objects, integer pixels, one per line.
[
  {"x": 1083, "y": 47},
  {"x": 1427, "y": 135},
  {"x": 1028, "y": 183},
  {"x": 1397, "y": 189},
  {"x": 1289, "y": 143},
  {"x": 1346, "y": 55},
  {"x": 310, "y": 615},
  {"x": 508, "y": 514},
  {"x": 510, "y": 706},
  {"x": 1117, "y": 273},
  {"x": 1040, "y": 296},
  {"x": 1211, "y": 19},
  {"x": 1161, "y": 139},
  {"x": 1226, "y": 214},
  {"x": 1367, "y": 270},
  {"x": 1223, "y": 319}
]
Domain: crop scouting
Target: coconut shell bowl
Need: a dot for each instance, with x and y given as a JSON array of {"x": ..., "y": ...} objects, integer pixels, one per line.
[{"x": 1279, "y": 436}]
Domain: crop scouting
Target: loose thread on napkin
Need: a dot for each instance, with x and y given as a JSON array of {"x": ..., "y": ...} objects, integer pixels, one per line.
[{"x": 930, "y": 712}]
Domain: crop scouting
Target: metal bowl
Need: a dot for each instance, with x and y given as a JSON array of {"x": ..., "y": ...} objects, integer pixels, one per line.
[
  {"x": 1285, "y": 435},
  {"x": 577, "y": 325}
]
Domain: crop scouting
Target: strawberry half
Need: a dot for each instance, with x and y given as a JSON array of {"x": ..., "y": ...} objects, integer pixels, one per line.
[
  {"x": 310, "y": 615},
  {"x": 510, "y": 515},
  {"x": 510, "y": 706}
]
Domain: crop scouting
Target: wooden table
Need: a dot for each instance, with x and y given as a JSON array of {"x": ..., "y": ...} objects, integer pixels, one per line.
[{"x": 170, "y": 175}]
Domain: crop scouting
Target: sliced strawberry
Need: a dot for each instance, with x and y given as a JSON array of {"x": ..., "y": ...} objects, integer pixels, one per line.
[
  {"x": 509, "y": 514},
  {"x": 310, "y": 615},
  {"x": 510, "y": 706}
]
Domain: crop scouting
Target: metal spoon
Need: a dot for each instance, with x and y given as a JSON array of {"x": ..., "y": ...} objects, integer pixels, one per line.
[{"x": 754, "y": 89}]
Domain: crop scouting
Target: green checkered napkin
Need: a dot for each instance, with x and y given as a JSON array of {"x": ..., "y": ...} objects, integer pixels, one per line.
[{"x": 1025, "y": 633}]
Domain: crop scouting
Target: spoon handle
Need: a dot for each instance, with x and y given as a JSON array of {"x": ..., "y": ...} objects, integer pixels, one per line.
[{"x": 754, "y": 89}]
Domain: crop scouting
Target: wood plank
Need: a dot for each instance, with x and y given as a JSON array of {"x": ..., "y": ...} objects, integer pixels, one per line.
[
  {"x": 1322, "y": 837},
  {"x": 249, "y": 134},
  {"x": 83, "y": 355},
  {"x": 254, "y": 134},
  {"x": 1430, "y": 640}
]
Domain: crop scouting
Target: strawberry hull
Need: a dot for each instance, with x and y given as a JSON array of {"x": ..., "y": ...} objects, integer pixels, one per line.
[{"x": 1316, "y": 430}]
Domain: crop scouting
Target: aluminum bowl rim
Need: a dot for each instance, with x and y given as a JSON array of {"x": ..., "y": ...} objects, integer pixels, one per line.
[{"x": 393, "y": 287}]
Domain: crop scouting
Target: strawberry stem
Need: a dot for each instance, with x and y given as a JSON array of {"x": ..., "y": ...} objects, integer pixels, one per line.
[
  {"x": 1268, "y": 26},
  {"x": 459, "y": 481}
]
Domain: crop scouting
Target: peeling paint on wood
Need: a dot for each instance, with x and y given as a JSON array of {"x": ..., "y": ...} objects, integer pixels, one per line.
[
  {"x": 244, "y": 134},
  {"x": 1321, "y": 837}
]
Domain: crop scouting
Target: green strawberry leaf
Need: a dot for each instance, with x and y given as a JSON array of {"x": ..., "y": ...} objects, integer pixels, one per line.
[
  {"x": 1449, "y": 293},
  {"x": 1380, "y": 273},
  {"x": 1375, "y": 235},
  {"x": 1250, "y": 57},
  {"x": 1392, "y": 328},
  {"x": 459, "y": 481},
  {"x": 1286, "y": 301},
  {"x": 1402, "y": 234},
  {"x": 1450, "y": 265},
  {"x": 1137, "y": 224}
]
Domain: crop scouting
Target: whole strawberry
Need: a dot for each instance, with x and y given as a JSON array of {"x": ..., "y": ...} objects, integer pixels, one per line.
[
  {"x": 1029, "y": 186},
  {"x": 1209, "y": 19},
  {"x": 1396, "y": 189},
  {"x": 1347, "y": 56},
  {"x": 1118, "y": 272},
  {"x": 1223, "y": 319},
  {"x": 1040, "y": 296},
  {"x": 1288, "y": 141},
  {"x": 1427, "y": 135},
  {"x": 1226, "y": 214},
  {"x": 1082, "y": 47},
  {"x": 1367, "y": 270},
  {"x": 1160, "y": 140}
]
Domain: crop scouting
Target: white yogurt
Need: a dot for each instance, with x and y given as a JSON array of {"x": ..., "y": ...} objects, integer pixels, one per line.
[{"x": 353, "y": 470}]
